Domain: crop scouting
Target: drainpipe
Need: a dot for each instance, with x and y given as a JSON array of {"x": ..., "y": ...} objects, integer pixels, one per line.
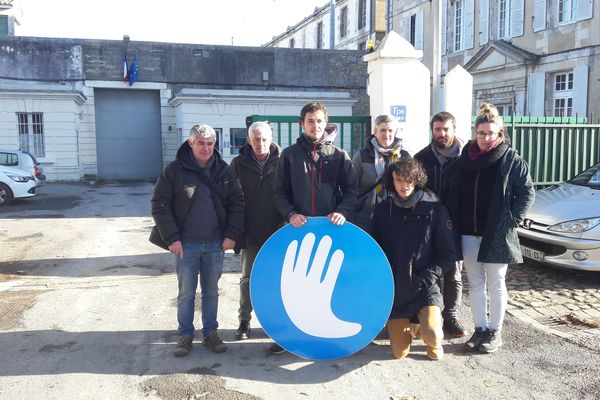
[{"x": 331, "y": 25}]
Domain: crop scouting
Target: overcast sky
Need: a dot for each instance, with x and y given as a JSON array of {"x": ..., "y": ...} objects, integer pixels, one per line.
[{"x": 246, "y": 22}]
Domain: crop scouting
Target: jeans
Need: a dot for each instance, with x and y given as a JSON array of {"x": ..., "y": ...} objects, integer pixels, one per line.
[
  {"x": 206, "y": 260},
  {"x": 486, "y": 281},
  {"x": 248, "y": 257},
  {"x": 430, "y": 321},
  {"x": 452, "y": 289}
]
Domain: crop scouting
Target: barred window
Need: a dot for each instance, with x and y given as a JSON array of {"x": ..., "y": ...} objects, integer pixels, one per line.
[{"x": 31, "y": 133}]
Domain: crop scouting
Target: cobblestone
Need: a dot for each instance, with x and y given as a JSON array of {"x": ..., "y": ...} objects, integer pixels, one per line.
[{"x": 540, "y": 296}]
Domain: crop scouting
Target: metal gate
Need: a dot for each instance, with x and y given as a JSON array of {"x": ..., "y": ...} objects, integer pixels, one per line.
[{"x": 128, "y": 134}]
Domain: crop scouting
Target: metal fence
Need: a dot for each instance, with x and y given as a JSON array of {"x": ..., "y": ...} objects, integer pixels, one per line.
[
  {"x": 556, "y": 149},
  {"x": 286, "y": 129}
]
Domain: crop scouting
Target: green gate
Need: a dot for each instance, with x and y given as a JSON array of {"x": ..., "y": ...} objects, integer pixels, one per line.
[
  {"x": 556, "y": 149},
  {"x": 286, "y": 129}
]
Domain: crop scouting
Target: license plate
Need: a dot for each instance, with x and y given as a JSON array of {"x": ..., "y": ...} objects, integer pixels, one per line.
[{"x": 533, "y": 254}]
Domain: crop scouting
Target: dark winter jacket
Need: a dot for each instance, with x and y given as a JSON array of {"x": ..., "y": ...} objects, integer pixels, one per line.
[
  {"x": 419, "y": 244},
  {"x": 436, "y": 172},
  {"x": 315, "y": 180},
  {"x": 262, "y": 218},
  {"x": 364, "y": 165},
  {"x": 174, "y": 194},
  {"x": 511, "y": 197}
]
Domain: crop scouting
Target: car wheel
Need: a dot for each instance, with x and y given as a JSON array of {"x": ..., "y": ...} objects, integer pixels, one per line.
[{"x": 6, "y": 195}]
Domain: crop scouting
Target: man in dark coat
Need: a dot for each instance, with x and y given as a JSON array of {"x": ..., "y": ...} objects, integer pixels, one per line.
[
  {"x": 314, "y": 177},
  {"x": 436, "y": 158},
  {"x": 198, "y": 209},
  {"x": 255, "y": 170}
]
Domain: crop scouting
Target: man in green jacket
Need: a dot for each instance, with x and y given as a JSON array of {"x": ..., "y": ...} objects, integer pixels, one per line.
[{"x": 255, "y": 170}]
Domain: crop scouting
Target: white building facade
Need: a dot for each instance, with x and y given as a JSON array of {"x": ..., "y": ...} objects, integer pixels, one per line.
[{"x": 537, "y": 57}]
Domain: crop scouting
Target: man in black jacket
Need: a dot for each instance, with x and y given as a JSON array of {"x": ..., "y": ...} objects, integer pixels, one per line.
[
  {"x": 198, "y": 209},
  {"x": 436, "y": 158},
  {"x": 255, "y": 170},
  {"x": 314, "y": 177}
]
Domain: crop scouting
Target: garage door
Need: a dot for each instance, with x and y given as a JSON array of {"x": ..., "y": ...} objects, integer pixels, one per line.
[{"x": 128, "y": 137}]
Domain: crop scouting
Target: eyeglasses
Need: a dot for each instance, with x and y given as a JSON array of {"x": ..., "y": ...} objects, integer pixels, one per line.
[{"x": 482, "y": 134}]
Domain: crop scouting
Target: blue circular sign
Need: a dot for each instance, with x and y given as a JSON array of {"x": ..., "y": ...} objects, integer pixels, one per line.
[{"x": 321, "y": 291}]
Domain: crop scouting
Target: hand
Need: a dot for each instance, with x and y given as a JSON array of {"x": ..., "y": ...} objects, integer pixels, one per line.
[
  {"x": 297, "y": 220},
  {"x": 336, "y": 218},
  {"x": 176, "y": 248},
  {"x": 306, "y": 299},
  {"x": 227, "y": 244}
]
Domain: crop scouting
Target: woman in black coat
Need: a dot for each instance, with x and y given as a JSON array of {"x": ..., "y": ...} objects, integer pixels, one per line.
[
  {"x": 488, "y": 192},
  {"x": 414, "y": 230}
]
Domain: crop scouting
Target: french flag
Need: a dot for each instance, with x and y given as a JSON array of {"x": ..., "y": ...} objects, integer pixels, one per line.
[{"x": 125, "y": 69}]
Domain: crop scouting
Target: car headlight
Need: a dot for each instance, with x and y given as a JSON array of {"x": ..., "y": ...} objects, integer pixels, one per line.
[
  {"x": 20, "y": 178},
  {"x": 576, "y": 226}
]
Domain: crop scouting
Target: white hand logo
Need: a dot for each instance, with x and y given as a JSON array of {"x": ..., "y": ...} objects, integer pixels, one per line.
[{"x": 306, "y": 299}]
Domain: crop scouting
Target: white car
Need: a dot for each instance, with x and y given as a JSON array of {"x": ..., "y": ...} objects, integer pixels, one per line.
[
  {"x": 22, "y": 160},
  {"x": 15, "y": 184},
  {"x": 562, "y": 228}
]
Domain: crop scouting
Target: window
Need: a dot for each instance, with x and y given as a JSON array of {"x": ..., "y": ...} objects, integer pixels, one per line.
[
  {"x": 292, "y": 43},
  {"x": 320, "y": 35},
  {"x": 31, "y": 133},
  {"x": 4, "y": 27},
  {"x": 362, "y": 13},
  {"x": 9, "y": 159},
  {"x": 218, "y": 134},
  {"x": 413, "y": 26},
  {"x": 563, "y": 95},
  {"x": 458, "y": 25},
  {"x": 505, "y": 109},
  {"x": 504, "y": 19},
  {"x": 574, "y": 10},
  {"x": 343, "y": 22},
  {"x": 567, "y": 10},
  {"x": 238, "y": 139}
]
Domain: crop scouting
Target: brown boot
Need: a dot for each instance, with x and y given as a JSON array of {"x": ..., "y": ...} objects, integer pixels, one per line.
[{"x": 400, "y": 336}]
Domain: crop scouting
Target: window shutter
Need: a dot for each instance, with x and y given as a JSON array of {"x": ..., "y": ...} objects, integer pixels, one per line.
[
  {"x": 468, "y": 24},
  {"x": 584, "y": 9},
  {"x": 535, "y": 94},
  {"x": 580, "y": 90},
  {"x": 406, "y": 28},
  {"x": 419, "y": 31},
  {"x": 444, "y": 25},
  {"x": 539, "y": 15},
  {"x": 516, "y": 16},
  {"x": 484, "y": 22}
]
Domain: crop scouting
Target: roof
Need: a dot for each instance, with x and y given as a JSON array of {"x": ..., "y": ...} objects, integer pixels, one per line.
[{"x": 505, "y": 48}]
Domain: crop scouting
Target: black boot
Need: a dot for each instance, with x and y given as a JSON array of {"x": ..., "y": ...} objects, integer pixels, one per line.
[{"x": 243, "y": 331}]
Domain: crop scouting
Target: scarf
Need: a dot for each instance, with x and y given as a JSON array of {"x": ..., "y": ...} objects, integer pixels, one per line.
[
  {"x": 382, "y": 155},
  {"x": 485, "y": 159},
  {"x": 409, "y": 202},
  {"x": 476, "y": 153}
]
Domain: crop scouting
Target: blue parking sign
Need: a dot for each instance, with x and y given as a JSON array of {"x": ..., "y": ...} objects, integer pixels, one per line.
[{"x": 321, "y": 291}]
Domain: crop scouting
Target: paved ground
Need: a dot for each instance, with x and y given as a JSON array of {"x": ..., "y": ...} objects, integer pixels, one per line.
[{"x": 87, "y": 310}]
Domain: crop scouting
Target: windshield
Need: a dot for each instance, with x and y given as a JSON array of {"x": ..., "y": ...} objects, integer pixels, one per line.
[{"x": 590, "y": 177}]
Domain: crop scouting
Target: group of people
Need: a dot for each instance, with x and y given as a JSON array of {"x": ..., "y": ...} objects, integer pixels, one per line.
[{"x": 450, "y": 206}]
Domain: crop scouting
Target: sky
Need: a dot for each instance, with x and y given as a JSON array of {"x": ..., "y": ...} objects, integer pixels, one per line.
[{"x": 219, "y": 22}]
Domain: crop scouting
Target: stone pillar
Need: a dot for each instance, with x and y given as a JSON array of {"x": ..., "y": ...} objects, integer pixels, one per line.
[
  {"x": 458, "y": 100},
  {"x": 399, "y": 84}
]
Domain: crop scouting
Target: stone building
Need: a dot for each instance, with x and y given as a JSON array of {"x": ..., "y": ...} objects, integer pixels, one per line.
[
  {"x": 66, "y": 101},
  {"x": 537, "y": 57}
]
